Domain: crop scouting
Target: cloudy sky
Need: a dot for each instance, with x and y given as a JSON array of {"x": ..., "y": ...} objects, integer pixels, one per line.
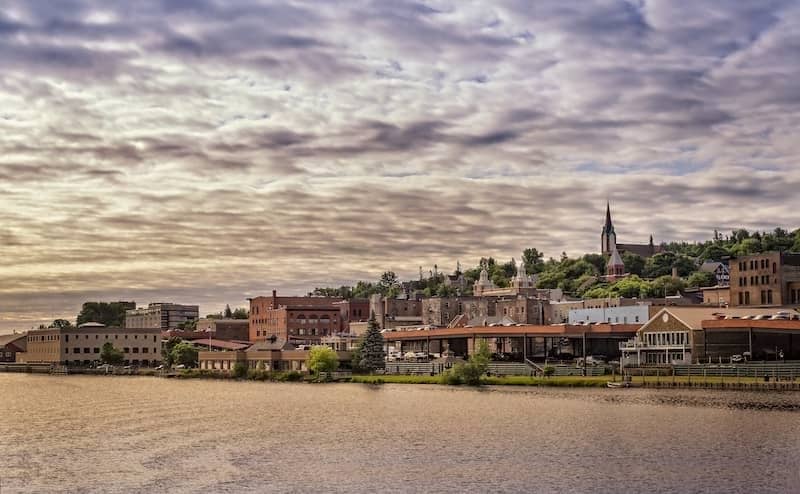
[{"x": 207, "y": 151}]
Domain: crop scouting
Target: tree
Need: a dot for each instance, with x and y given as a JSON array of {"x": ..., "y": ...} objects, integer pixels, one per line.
[
  {"x": 166, "y": 350},
  {"x": 701, "y": 279},
  {"x": 228, "y": 314},
  {"x": 322, "y": 359},
  {"x": 184, "y": 353},
  {"x": 666, "y": 285},
  {"x": 372, "y": 353},
  {"x": 241, "y": 313},
  {"x": 111, "y": 355},
  {"x": 634, "y": 264},
  {"x": 61, "y": 324},
  {"x": 111, "y": 314},
  {"x": 533, "y": 260}
]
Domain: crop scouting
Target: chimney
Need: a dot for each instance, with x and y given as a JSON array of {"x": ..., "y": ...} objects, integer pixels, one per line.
[{"x": 274, "y": 299}]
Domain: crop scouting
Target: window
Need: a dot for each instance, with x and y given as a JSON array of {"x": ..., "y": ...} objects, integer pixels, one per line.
[
  {"x": 746, "y": 298},
  {"x": 66, "y": 337},
  {"x": 135, "y": 349},
  {"x": 126, "y": 350},
  {"x": 769, "y": 296},
  {"x": 774, "y": 267},
  {"x": 145, "y": 350},
  {"x": 87, "y": 350}
]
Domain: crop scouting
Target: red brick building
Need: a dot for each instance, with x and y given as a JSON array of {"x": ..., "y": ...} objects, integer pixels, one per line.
[
  {"x": 353, "y": 310},
  {"x": 299, "y": 319}
]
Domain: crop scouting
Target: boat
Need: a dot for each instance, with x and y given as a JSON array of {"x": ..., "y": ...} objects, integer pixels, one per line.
[{"x": 621, "y": 384}]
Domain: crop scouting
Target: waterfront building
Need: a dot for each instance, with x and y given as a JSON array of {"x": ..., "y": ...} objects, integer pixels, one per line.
[
  {"x": 675, "y": 335},
  {"x": 82, "y": 345},
  {"x": 299, "y": 319},
  {"x": 162, "y": 315},
  {"x": 766, "y": 279},
  {"x": 11, "y": 345},
  {"x": 272, "y": 354},
  {"x": 518, "y": 342}
]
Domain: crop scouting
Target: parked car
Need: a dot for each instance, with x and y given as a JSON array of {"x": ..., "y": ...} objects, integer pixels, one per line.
[{"x": 735, "y": 359}]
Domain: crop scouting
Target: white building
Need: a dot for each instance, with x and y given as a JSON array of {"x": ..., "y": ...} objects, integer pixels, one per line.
[{"x": 628, "y": 314}]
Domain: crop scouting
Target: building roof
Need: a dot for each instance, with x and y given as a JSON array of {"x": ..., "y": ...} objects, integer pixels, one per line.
[
  {"x": 12, "y": 338},
  {"x": 641, "y": 250},
  {"x": 267, "y": 345},
  {"x": 693, "y": 316},
  {"x": 723, "y": 324},
  {"x": 602, "y": 329},
  {"x": 710, "y": 266},
  {"x": 220, "y": 344},
  {"x": 615, "y": 259}
]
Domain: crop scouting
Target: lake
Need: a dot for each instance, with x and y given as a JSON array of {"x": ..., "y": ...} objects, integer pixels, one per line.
[{"x": 140, "y": 434}]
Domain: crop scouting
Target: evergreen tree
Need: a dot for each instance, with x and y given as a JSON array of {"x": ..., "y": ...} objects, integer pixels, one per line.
[
  {"x": 228, "y": 312},
  {"x": 372, "y": 354}
]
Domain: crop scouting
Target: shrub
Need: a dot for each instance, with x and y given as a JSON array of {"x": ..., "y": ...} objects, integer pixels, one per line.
[
  {"x": 548, "y": 371},
  {"x": 451, "y": 376},
  {"x": 239, "y": 370},
  {"x": 293, "y": 376}
]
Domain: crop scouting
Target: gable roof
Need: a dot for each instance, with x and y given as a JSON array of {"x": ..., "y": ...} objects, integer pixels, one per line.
[
  {"x": 693, "y": 317},
  {"x": 6, "y": 339}
]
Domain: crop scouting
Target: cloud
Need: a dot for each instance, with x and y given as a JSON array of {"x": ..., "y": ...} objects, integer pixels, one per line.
[{"x": 209, "y": 151}]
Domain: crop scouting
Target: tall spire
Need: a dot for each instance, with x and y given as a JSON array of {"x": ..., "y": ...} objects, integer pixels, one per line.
[{"x": 609, "y": 227}]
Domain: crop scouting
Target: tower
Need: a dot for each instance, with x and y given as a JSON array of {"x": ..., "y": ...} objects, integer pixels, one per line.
[
  {"x": 608, "y": 238},
  {"x": 615, "y": 267}
]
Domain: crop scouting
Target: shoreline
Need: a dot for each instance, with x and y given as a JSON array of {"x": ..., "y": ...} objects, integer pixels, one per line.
[{"x": 648, "y": 382}]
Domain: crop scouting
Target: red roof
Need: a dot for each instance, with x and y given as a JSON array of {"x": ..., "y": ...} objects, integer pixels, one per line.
[{"x": 530, "y": 330}]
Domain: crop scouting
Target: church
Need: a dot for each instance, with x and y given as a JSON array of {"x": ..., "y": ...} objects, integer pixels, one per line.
[{"x": 608, "y": 241}]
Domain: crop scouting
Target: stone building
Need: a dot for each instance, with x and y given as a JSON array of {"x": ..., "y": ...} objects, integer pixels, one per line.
[
  {"x": 225, "y": 329},
  {"x": 767, "y": 279},
  {"x": 391, "y": 312}
]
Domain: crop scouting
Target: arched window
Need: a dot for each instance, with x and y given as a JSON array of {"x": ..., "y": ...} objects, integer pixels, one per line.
[{"x": 301, "y": 318}]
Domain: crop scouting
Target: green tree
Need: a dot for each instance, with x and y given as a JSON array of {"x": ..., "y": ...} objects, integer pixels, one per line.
[
  {"x": 184, "y": 353},
  {"x": 666, "y": 286},
  {"x": 228, "y": 314},
  {"x": 61, "y": 324},
  {"x": 714, "y": 253},
  {"x": 322, "y": 359},
  {"x": 111, "y": 314},
  {"x": 533, "y": 260},
  {"x": 111, "y": 355},
  {"x": 701, "y": 279},
  {"x": 596, "y": 260},
  {"x": 166, "y": 350},
  {"x": 634, "y": 264},
  {"x": 372, "y": 353},
  {"x": 241, "y": 313}
]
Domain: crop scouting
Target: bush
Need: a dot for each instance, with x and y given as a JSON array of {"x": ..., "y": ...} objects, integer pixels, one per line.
[
  {"x": 548, "y": 371},
  {"x": 291, "y": 376},
  {"x": 239, "y": 370},
  {"x": 451, "y": 376}
]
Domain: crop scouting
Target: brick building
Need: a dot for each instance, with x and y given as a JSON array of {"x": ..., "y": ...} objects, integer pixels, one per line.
[
  {"x": 352, "y": 310},
  {"x": 300, "y": 319},
  {"x": 389, "y": 311},
  {"x": 767, "y": 279},
  {"x": 225, "y": 329}
]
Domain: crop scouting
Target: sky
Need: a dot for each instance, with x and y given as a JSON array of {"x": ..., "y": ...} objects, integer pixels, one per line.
[{"x": 209, "y": 151}]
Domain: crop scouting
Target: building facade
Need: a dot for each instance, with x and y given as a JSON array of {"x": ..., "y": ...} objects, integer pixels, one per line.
[
  {"x": 304, "y": 319},
  {"x": 390, "y": 312},
  {"x": 165, "y": 316},
  {"x": 225, "y": 329},
  {"x": 626, "y": 314},
  {"x": 82, "y": 345},
  {"x": 11, "y": 345},
  {"x": 767, "y": 279}
]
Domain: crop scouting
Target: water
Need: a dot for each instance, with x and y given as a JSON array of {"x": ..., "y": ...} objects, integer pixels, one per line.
[{"x": 137, "y": 434}]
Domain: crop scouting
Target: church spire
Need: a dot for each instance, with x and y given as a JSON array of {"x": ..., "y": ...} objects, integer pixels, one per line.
[{"x": 609, "y": 227}]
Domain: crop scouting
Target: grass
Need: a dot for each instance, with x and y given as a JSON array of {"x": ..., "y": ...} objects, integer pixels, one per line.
[
  {"x": 396, "y": 379},
  {"x": 566, "y": 381}
]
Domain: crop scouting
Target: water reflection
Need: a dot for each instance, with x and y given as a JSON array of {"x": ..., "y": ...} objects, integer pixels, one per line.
[{"x": 114, "y": 434}]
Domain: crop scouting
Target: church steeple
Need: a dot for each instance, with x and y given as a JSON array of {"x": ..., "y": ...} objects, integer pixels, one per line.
[{"x": 608, "y": 239}]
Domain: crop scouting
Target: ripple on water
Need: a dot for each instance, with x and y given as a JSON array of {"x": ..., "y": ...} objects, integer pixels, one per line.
[{"x": 108, "y": 434}]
